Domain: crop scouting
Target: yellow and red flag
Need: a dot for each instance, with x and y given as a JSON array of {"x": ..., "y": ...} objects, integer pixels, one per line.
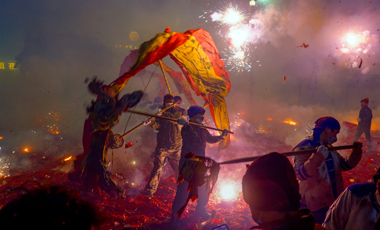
[
  {"x": 181, "y": 84},
  {"x": 196, "y": 54},
  {"x": 150, "y": 52},
  {"x": 204, "y": 69},
  {"x": 179, "y": 80}
]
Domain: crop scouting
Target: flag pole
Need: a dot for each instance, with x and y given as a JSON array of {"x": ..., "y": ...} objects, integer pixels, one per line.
[
  {"x": 142, "y": 123},
  {"x": 175, "y": 120},
  {"x": 288, "y": 154},
  {"x": 163, "y": 72}
]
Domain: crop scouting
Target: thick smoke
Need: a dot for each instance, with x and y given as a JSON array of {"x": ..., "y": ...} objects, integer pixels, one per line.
[{"x": 56, "y": 45}]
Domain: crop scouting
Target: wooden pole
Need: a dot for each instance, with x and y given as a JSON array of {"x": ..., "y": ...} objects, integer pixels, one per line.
[
  {"x": 249, "y": 159},
  {"x": 142, "y": 123},
  {"x": 163, "y": 72},
  {"x": 175, "y": 120}
]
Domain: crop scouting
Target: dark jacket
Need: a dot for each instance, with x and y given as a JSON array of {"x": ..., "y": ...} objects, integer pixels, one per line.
[
  {"x": 195, "y": 139},
  {"x": 169, "y": 133},
  {"x": 365, "y": 116}
]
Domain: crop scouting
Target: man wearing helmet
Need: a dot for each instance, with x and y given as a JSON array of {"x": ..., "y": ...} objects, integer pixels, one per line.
[{"x": 194, "y": 140}]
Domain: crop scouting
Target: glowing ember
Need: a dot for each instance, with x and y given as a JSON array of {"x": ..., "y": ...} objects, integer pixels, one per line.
[
  {"x": 26, "y": 150},
  {"x": 227, "y": 192},
  {"x": 129, "y": 144},
  {"x": 262, "y": 130},
  {"x": 269, "y": 119},
  {"x": 290, "y": 122},
  {"x": 53, "y": 129},
  {"x": 68, "y": 158}
]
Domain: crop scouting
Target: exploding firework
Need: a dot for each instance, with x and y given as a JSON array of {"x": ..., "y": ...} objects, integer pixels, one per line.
[
  {"x": 242, "y": 33},
  {"x": 238, "y": 36},
  {"x": 237, "y": 59},
  {"x": 354, "y": 47},
  {"x": 230, "y": 15}
]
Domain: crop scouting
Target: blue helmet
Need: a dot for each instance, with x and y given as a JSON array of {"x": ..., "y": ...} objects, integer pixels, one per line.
[{"x": 194, "y": 110}]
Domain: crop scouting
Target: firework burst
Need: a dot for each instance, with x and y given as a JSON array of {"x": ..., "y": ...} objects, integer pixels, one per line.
[
  {"x": 230, "y": 15},
  {"x": 355, "y": 46},
  {"x": 242, "y": 32},
  {"x": 237, "y": 59}
]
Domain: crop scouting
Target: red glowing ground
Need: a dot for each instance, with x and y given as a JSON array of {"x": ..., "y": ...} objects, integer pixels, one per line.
[{"x": 140, "y": 212}]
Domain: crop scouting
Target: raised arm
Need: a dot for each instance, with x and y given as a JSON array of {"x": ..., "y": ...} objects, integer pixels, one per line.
[{"x": 307, "y": 165}]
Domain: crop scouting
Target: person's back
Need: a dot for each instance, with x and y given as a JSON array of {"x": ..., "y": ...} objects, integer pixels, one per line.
[
  {"x": 49, "y": 208},
  {"x": 356, "y": 208},
  {"x": 271, "y": 189},
  {"x": 365, "y": 116}
]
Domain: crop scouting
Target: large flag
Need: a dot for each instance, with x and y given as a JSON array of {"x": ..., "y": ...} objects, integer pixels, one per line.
[
  {"x": 179, "y": 80},
  {"x": 181, "y": 84},
  {"x": 200, "y": 61},
  {"x": 150, "y": 52},
  {"x": 196, "y": 54}
]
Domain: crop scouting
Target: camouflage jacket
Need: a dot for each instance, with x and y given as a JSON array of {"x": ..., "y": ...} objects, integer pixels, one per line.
[{"x": 169, "y": 133}]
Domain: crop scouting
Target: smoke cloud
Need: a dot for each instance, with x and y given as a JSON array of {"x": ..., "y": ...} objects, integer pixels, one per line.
[{"x": 56, "y": 45}]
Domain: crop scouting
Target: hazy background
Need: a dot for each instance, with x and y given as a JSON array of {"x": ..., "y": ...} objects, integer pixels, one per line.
[{"x": 56, "y": 44}]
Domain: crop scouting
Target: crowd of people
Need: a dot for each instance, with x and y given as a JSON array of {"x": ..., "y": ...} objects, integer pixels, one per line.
[{"x": 306, "y": 194}]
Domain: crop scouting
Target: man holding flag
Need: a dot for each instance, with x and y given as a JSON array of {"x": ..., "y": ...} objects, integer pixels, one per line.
[
  {"x": 169, "y": 143},
  {"x": 194, "y": 140}
]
